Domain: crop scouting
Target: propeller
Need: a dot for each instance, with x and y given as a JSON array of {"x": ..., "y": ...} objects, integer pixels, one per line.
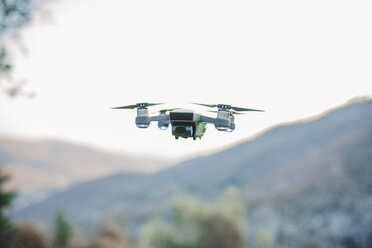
[
  {"x": 232, "y": 112},
  {"x": 138, "y": 105},
  {"x": 246, "y": 109},
  {"x": 227, "y": 107},
  {"x": 206, "y": 105}
]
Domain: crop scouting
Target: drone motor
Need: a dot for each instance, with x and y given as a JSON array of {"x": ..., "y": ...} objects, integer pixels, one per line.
[
  {"x": 223, "y": 121},
  {"x": 143, "y": 119}
]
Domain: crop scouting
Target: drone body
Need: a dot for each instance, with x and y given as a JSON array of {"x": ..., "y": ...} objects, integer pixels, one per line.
[{"x": 187, "y": 123}]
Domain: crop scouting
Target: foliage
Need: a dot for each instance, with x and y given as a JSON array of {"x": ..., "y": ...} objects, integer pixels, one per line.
[
  {"x": 14, "y": 14},
  {"x": 111, "y": 236},
  {"x": 218, "y": 224},
  {"x": 264, "y": 238},
  {"x": 218, "y": 231},
  {"x": 5, "y": 67},
  {"x": 63, "y": 231},
  {"x": 5, "y": 202},
  {"x": 26, "y": 236}
]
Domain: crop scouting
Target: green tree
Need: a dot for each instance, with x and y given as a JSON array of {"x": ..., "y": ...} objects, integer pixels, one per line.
[
  {"x": 5, "y": 202},
  {"x": 264, "y": 238},
  {"x": 63, "y": 231},
  {"x": 25, "y": 236},
  {"x": 14, "y": 14},
  {"x": 219, "y": 231},
  {"x": 198, "y": 224},
  {"x": 111, "y": 236}
]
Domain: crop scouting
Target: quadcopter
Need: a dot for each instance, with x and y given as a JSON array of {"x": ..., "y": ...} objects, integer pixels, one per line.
[{"x": 188, "y": 123}]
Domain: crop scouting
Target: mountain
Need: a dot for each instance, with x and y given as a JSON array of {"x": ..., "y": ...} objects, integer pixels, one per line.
[
  {"x": 40, "y": 168},
  {"x": 307, "y": 183},
  {"x": 323, "y": 200}
]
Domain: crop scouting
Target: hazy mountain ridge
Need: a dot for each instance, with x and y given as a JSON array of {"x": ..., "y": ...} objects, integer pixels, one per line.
[
  {"x": 279, "y": 172},
  {"x": 327, "y": 195},
  {"x": 275, "y": 149},
  {"x": 39, "y": 168}
]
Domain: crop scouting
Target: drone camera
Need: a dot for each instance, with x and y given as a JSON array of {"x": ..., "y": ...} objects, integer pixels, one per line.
[{"x": 182, "y": 130}]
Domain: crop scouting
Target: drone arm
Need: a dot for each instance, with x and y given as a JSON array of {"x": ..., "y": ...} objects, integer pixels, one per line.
[
  {"x": 206, "y": 119},
  {"x": 160, "y": 118}
]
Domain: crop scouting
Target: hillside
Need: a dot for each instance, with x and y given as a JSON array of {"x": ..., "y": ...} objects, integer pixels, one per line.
[
  {"x": 305, "y": 182},
  {"x": 324, "y": 200},
  {"x": 40, "y": 168}
]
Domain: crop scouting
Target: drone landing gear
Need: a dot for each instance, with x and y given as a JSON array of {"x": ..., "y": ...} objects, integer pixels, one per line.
[{"x": 176, "y": 137}]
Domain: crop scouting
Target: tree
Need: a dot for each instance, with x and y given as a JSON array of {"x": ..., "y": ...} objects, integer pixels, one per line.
[
  {"x": 14, "y": 14},
  {"x": 198, "y": 224},
  {"x": 5, "y": 202},
  {"x": 63, "y": 231},
  {"x": 25, "y": 236},
  {"x": 264, "y": 238},
  {"x": 111, "y": 236},
  {"x": 219, "y": 231}
]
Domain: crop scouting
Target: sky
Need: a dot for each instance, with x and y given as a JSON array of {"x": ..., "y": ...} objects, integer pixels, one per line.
[{"x": 294, "y": 59}]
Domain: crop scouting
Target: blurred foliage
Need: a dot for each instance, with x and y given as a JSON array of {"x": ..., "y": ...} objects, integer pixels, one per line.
[
  {"x": 25, "y": 236},
  {"x": 111, "y": 236},
  {"x": 63, "y": 231},
  {"x": 5, "y": 202},
  {"x": 14, "y": 14},
  {"x": 5, "y": 67},
  {"x": 264, "y": 238},
  {"x": 219, "y": 224}
]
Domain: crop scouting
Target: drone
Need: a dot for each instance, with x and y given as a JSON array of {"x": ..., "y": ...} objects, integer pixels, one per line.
[{"x": 188, "y": 123}]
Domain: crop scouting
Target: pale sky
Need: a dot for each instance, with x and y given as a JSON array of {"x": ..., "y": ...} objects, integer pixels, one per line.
[{"x": 293, "y": 58}]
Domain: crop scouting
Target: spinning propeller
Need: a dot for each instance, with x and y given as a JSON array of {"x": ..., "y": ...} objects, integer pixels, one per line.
[
  {"x": 138, "y": 105},
  {"x": 227, "y": 107},
  {"x": 164, "y": 111},
  {"x": 231, "y": 112}
]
